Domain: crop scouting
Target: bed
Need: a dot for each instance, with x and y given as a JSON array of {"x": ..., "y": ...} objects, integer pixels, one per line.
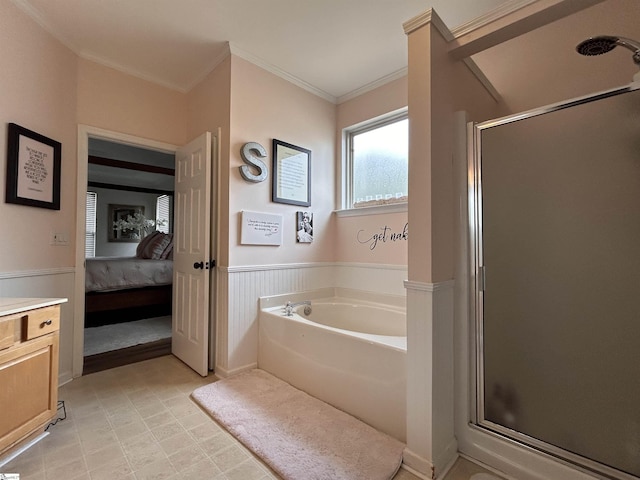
[{"x": 120, "y": 289}]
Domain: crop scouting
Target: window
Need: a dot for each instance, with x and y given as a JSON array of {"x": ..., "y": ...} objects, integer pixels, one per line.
[
  {"x": 90, "y": 229},
  {"x": 376, "y": 162},
  {"x": 163, "y": 213}
]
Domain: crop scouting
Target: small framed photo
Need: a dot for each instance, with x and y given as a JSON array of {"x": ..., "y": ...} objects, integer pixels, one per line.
[
  {"x": 291, "y": 174},
  {"x": 304, "y": 227},
  {"x": 33, "y": 169}
]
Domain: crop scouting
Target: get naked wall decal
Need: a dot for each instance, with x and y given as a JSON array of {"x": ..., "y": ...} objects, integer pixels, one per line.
[{"x": 386, "y": 234}]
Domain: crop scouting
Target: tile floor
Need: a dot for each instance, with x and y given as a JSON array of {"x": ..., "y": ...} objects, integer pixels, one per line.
[{"x": 137, "y": 423}]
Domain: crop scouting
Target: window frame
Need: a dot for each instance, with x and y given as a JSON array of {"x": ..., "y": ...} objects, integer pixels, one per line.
[
  {"x": 169, "y": 201},
  {"x": 90, "y": 233},
  {"x": 348, "y": 134}
]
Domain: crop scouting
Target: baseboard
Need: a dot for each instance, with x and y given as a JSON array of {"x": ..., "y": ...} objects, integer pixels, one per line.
[
  {"x": 418, "y": 465},
  {"x": 225, "y": 373},
  {"x": 413, "y": 472},
  {"x": 446, "y": 459},
  {"x": 64, "y": 377}
]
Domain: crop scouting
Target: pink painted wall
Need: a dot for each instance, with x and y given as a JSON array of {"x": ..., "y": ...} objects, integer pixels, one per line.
[
  {"x": 38, "y": 92},
  {"x": 116, "y": 101},
  {"x": 377, "y": 239},
  {"x": 208, "y": 108},
  {"x": 438, "y": 87},
  {"x": 264, "y": 107}
]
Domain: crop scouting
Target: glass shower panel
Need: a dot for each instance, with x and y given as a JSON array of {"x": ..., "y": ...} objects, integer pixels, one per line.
[{"x": 561, "y": 302}]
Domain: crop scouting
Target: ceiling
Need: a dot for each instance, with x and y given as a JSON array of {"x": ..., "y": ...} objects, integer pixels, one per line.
[{"x": 334, "y": 46}]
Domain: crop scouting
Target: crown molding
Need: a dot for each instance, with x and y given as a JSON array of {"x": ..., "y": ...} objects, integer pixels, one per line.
[
  {"x": 35, "y": 15},
  {"x": 132, "y": 72},
  {"x": 492, "y": 16},
  {"x": 239, "y": 52},
  {"x": 425, "y": 18},
  {"x": 226, "y": 52},
  {"x": 373, "y": 85}
]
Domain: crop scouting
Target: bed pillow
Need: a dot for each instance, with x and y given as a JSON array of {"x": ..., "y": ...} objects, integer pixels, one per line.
[
  {"x": 158, "y": 247},
  {"x": 144, "y": 242},
  {"x": 167, "y": 253}
]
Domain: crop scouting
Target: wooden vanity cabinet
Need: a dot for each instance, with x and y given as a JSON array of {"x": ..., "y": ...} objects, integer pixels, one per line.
[{"x": 29, "y": 340}]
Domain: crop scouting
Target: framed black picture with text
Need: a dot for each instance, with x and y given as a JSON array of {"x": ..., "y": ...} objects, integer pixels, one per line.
[
  {"x": 33, "y": 169},
  {"x": 291, "y": 174}
]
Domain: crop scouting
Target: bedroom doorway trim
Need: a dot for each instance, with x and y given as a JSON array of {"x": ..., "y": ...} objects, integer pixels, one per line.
[{"x": 85, "y": 132}]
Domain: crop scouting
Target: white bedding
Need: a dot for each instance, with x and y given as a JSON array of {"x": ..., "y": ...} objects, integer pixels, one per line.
[{"x": 117, "y": 273}]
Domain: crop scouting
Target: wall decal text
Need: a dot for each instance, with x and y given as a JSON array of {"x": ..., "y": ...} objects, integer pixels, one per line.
[{"x": 386, "y": 235}]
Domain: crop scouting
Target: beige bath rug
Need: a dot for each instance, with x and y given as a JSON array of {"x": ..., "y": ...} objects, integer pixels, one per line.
[{"x": 298, "y": 436}]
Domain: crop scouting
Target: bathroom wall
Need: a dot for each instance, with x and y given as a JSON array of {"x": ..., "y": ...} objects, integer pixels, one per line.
[
  {"x": 209, "y": 110},
  {"x": 116, "y": 101},
  {"x": 38, "y": 85},
  {"x": 263, "y": 107},
  {"x": 370, "y": 239}
]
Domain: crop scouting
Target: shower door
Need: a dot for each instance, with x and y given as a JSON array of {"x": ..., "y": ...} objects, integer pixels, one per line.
[{"x": 556, "y": 216}]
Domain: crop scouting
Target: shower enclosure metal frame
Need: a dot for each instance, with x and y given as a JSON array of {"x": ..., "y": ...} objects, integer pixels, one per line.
[{"x": 476, "y": 291}]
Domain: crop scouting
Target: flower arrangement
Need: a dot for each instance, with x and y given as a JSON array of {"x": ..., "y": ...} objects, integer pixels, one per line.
[{"x": 136, "y": 225}]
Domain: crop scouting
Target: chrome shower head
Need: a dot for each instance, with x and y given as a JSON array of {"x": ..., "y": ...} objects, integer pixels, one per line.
[{"x": 604, "y": 44}]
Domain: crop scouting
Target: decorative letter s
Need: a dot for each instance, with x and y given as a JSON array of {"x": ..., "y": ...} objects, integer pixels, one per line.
[{"x": 253, "y": 160}]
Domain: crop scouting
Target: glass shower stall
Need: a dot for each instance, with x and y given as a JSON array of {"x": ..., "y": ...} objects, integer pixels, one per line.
[{"x": 555, "y": 216}]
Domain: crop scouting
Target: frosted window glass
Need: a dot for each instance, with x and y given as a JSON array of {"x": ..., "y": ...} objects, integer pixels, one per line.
[{"x": 380, "y": 163}]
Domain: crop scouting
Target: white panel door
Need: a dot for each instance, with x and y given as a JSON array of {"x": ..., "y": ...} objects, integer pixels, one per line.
[{"x": 192, "y": 253}]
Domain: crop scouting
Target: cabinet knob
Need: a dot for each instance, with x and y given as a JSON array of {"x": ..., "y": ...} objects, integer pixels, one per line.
[{"x": 46, "y": 323}]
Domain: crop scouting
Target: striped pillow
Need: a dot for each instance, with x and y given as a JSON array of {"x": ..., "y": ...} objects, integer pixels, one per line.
[{"x": 159, "y": 247}]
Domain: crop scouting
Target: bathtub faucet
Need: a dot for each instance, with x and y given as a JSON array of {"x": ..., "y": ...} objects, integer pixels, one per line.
[{"x": 288, "y": 308}]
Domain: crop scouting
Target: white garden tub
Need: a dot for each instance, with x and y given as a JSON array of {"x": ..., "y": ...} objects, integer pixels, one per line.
[{"x": 350, "y": 352}]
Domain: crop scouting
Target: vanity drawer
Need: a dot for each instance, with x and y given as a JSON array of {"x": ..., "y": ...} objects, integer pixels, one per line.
[
  {"x": 40, "y": 322},
  {"x": 7, "y": 329}
]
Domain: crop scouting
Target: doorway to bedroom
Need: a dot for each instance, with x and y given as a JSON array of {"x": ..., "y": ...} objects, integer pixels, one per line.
[{"x": 128, "y": 254}]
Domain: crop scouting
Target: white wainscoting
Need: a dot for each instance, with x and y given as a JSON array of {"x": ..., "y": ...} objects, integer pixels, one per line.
[
  {"x": 49, "y": 283},
  {"x": 237, "y": 316},
  {"x": 431, "y": 444}
]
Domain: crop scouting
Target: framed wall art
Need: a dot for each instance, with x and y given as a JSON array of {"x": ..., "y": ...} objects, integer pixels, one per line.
[
  {"x": 304, "y": 227},
  {"x": 33, "y": 169},
  {"x": 125, "y": 223},
  {"x": 291, "y": 174}
]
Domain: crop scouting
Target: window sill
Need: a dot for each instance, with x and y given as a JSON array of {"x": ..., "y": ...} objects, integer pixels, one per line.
[{"x": 376, "y": 210}]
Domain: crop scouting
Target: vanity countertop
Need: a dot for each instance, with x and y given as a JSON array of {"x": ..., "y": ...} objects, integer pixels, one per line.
[{"x": 9, "y": 306}]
